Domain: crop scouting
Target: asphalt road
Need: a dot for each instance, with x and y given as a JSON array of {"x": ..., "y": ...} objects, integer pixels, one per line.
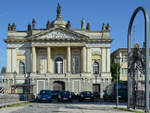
[{"x": 84, "y": 107}]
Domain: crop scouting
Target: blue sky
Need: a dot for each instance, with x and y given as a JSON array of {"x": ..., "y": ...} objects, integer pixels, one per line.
[{"x": 115, "y": 12}]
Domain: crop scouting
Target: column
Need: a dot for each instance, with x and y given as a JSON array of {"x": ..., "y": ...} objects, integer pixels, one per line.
[
  {"x": 49, "y": 64},
  {"x": 28, "y": 59},
  {"x": 108, "y": 59},
  {"x": 9, "y": 60},
  {"x": 69, "y": 59},
  {"x": 84, "y": 58},
  {"x": 88, "y": 60},
  {"x": 13, "y": 60},
  {"x": 104, "y": 60},
  {"x": 33, "y": 60}
]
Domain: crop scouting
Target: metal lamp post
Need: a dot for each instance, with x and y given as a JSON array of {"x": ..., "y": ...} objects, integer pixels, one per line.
[
  {"x": 117, "y": 59},
  {"x": 15, "y": 74},
  {"x": 28, "y": 81},
  {"x": 96, "y": 79}
]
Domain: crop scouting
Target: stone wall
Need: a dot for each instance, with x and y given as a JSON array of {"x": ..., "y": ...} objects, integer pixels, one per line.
[{"x": 9, "y": 98}]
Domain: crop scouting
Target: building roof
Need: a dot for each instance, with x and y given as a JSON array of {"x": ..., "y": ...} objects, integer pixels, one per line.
[{"x": 63, "y": 28}]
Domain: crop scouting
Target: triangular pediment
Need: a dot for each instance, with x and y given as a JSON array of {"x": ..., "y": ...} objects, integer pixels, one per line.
[{"x": 59, "y": 33}]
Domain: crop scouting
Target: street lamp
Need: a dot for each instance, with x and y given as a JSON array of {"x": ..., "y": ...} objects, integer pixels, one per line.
[
  {"x": 15, "y": 74},
  {"x": 28, "y": 81},
  {"x": 117, "y": 60}
]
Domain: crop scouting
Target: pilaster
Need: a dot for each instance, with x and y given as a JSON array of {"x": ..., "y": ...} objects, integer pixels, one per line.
[
  {"x": 69, "y": 59},
  {"x": 89, "y": 60},
  {"x": 49, "y": 62},
  {"x": 9, "y": 63},
  {"x": 84, "y": 58},
  {"x": 34, "y": 60},
  {"x": 28, "y": 59}
]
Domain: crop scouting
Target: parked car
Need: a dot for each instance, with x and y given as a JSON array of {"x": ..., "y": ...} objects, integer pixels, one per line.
[
  {"x": 55, "y": 94},
  {"x": 110, "y": 93},
  {"x": 74, "y": 96},
  {"x": 86, "y": 95},
  {"x": 64, "y": 96},
  {"x": 44, "y": 96},
  {"x": 96, "y": 95}
]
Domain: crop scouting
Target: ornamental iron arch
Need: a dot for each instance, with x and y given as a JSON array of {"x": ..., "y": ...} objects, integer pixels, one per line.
[{"x": 146, "y": 51}]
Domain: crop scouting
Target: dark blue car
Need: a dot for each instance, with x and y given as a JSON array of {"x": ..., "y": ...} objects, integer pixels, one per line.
[
  {"x": 86, "y": 95},
  {"x": 65, "y": 96},
  {"x": 110, "y": 93},
  {"x": 55, "y": 94},
  {"x": 44, "y": 96}
]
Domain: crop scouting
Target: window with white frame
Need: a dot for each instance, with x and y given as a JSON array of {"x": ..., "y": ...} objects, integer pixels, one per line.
[
  {"x": 59, "y": 65},
  {"x": 124, "y": 71},
  {"x": 124, "y": 58},
  {"x": 95, "y": 67},
  {"x": 21, "y": 67}
]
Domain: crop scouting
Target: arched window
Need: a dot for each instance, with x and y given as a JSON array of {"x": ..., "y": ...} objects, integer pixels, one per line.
[
  {"x": 59, "y": 65},
  {"x": 95, "y": 67},
  {"x": 21, "y": 68}
]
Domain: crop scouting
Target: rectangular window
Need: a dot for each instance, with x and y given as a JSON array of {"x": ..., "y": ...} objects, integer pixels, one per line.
[
  {"x": 124, "y": 58},
  {"x": 75, "y": 64},
  {"x": 124, "y": 71}
]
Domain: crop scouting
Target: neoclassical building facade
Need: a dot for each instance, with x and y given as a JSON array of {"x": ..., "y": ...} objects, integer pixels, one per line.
[{"x": 58, "y": 58}]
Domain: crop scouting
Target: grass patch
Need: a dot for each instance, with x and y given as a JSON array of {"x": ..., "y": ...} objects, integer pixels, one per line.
[
  {"x": 15, "y": 105},
  {"x": 125, "y": 109}
]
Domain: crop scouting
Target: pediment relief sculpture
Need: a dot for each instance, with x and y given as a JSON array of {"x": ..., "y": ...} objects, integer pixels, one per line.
[{"x": 58, "y": 34}]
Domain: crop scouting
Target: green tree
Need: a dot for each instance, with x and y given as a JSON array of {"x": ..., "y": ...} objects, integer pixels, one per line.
[
  {"x": 114, "y": 67},
  {"x": 3, "y": 70}
]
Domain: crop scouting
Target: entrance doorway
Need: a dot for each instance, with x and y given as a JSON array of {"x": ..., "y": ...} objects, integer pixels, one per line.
[
  {"x": 58, "y": 85},
  {"x": 96, "y": 87}
]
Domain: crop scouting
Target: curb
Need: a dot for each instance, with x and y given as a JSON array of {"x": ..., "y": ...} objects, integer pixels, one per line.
[{"x": 13, "y": 104}]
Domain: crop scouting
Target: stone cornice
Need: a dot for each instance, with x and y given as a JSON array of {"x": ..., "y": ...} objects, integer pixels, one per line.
[
  {"x": 100, "y": 40},
  {"x": 75, "y": 34},
  {"x": 15, "y": 40}
]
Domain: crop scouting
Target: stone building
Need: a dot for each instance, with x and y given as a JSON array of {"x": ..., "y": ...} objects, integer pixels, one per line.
[
  {"x": 58, "y": 57},
  {"x": 2, "y": 78},
  {"x": 122, "y": 54},
  {"x": 122, "y": 59}
]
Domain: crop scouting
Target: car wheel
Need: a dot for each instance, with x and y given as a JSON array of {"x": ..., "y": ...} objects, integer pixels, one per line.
[
  {"x": 50, "y": 101},
  {"x": 92, "y": 100},
  {"x": 80, "y": 100}
]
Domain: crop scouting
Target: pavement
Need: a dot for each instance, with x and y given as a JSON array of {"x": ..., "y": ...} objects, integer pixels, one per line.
[{"x": 75, "y": 107}]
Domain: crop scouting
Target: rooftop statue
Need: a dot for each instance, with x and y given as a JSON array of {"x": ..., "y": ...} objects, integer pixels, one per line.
[
  {"x": 82, "y": 24},
  {"x": 58, "y": 11}
]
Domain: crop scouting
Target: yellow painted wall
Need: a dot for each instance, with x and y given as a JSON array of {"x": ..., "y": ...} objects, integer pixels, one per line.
[
  {"x": 123, "y": 65},
  {"x": 18, "y": 59},
  {"x": 62, "y": 51},
  {"x": 123, "y": 78},
  {"x": 98, "y": 59}
]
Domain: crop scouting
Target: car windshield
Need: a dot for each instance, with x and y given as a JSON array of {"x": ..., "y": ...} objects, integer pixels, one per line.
[
  {"x": 121, "y": 86},
  {"x": 45, "y": 92},
  {"x": 55, "y": 92},
  {"x": 87, "y": 92},
  {"x": 65, "y": 93}
]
